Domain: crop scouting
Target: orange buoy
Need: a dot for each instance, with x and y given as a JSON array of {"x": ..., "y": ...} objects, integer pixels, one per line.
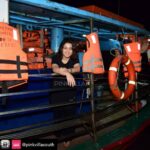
[{"x": 113, "y": 73}]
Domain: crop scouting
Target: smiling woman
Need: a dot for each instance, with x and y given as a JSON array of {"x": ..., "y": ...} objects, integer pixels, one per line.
[{"x": 66, "y": 62}]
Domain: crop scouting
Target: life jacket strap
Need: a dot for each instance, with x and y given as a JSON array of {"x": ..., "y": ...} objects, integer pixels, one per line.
[
  {"x": 18, "y": 64},
  {"x": 12, "y": 62},
  {"x": 13, "y": 71}
]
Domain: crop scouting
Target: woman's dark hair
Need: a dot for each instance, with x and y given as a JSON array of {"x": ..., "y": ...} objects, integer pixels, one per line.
[{"x": 67, "y": 40}]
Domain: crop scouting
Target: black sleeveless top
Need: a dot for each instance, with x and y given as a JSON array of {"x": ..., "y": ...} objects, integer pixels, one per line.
[{"x": 69, "y": 64}]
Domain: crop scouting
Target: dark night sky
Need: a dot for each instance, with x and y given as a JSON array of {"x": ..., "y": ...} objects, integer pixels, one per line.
[{"x": 136, "y": 10}]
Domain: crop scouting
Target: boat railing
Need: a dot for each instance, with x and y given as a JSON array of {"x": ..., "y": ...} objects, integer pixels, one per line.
[{"x": 88, "y": 120}]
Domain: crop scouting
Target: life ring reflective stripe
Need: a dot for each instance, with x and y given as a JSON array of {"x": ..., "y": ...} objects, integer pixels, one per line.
[{"x": 112, "y": 77}]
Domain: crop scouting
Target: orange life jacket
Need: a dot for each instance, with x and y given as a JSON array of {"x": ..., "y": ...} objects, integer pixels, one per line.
[
  {"x": 133, "y": 52},
  {"x": 13, "y": 60},
  {"x": 35, "y": 66},
  {"x": 35, "y": 57},
  {"x": 33, "y": 38},
  {"x": 49, "y": 51},
  {"x": 48, "y": 62},
  {"x": 36, "y": 43},
  {"x": 92, "y": 58},
  {"x": 34, "y": 35},
  {"x": 34, "y": 50}
]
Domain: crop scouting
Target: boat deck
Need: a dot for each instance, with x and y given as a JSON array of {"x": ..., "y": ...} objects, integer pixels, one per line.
[{"x": 116, "y": 137}]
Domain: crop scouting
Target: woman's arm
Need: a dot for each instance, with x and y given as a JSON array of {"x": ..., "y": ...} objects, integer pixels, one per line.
[
  {"x": 76, "y": 68},
  {"x": 57, "y": 69},
  {"x": 64, "y": 72}
]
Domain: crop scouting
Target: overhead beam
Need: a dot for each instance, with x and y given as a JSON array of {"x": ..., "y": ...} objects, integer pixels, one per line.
[
  {"x": 23, "y": 19},
  {"x": 71, "y": 29},
  {"x": 61, "y": 8},
  {"x": 15, "y": 13}
]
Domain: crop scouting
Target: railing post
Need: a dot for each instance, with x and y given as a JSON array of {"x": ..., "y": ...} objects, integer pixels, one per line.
[{"x": 92, "y": 94}]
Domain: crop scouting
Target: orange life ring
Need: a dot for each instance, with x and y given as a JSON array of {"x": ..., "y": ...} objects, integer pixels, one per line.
[{"x": 112, "y": 77}]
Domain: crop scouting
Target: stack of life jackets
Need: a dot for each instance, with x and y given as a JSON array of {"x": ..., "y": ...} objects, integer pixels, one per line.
[
  {"x": 48, "y": 58},
  {"x": 36, "y": 45},
  {"x": 133, "y": 51},
  {"x": 34, "y": 38},
  {"x": 92, "y": 58},
  {"x": 13, "y": 60},
  {"x": 35, "y": 57}
]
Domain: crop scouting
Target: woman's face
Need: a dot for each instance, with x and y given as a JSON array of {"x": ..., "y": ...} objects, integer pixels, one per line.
[{"x": 67, "y": 50}]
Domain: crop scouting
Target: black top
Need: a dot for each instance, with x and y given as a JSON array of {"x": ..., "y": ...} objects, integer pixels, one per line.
[{"x": 69, "y": 64}]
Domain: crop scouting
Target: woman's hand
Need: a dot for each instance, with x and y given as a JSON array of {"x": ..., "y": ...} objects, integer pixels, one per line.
[
  {"x": 70, "y": 79},
  {"x": 65, "y": 72}
]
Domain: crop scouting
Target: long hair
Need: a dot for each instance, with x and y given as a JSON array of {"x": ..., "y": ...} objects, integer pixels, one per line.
[{"x": 60, "y": 50}]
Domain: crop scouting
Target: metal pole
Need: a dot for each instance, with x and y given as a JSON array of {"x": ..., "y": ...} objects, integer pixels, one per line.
[
  {"x": 136, "y": 85},
  {"x": 136, "y": 94},
  {"x": 91, "y": 24},
  {"x": 92, "y": 94},
  {"x": 42, "y": 38},
  {"x": 19, "y": 27}
]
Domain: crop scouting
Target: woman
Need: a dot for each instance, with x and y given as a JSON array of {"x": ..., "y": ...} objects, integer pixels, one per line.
[{"x": 65, "y": 63}]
